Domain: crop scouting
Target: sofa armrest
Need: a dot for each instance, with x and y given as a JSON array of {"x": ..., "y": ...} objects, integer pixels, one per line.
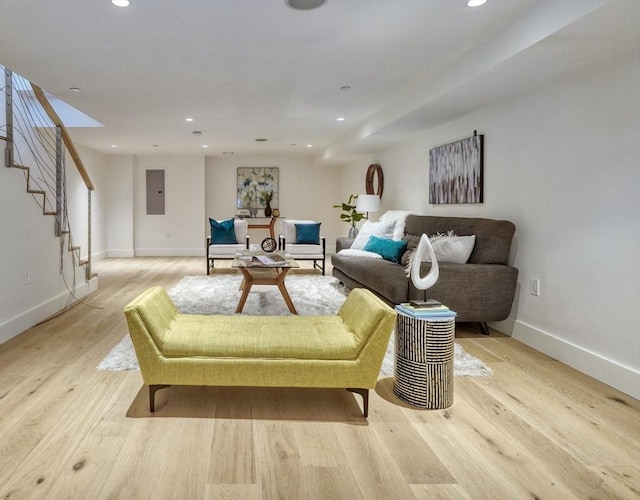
[{"x": 343, "y": 243}]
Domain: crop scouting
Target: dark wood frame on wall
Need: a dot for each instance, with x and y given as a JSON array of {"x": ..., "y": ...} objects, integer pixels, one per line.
[
  {"x": 374, "y": 171},
  {"x": 456, "y": 172}
]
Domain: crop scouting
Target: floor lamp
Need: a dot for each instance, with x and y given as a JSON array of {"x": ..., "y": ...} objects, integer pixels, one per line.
[{"x": 368, "y": 203}]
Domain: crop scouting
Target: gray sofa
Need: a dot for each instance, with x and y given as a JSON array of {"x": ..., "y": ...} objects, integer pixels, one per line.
[{"x": 481, "y": 290}]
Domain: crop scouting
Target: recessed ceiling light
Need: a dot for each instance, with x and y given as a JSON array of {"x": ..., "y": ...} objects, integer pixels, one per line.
[
  {"x": 74, "y": 89},
  {"x": 120, "y": 3},
  {"x": 304, "y": 4},
  {"x": 227, "y": 152},
  {"x": 345, "y": 87},
  {"x": 475, "y": 3},
  {"x": 262, "y": 140},
  {"x": 114, "y": 145},
  {"x": 309, "y": 145},
  {"x": 155, "y": 145},
  {"x": 188, "y": 119},
  {"x": 340, "y": 119},
  {"x": 205, "y": 146}
]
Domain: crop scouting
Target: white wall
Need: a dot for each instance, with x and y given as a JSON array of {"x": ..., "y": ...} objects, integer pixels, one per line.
[
  {"x": 30, "y": 251},
  {"x": 179, "y": 231},
  {"x": 119, "y": 201},
  {"x": 563, "y": 163},
  {"x": 305, "y": 192}
]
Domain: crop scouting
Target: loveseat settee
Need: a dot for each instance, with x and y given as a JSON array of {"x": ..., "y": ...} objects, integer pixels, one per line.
[
  {"x": 342, "y": 351},
  {"x": 480, "y": 290}
]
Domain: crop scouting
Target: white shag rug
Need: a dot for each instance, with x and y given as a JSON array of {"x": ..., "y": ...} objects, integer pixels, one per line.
[{"x": 311, "y": 295}]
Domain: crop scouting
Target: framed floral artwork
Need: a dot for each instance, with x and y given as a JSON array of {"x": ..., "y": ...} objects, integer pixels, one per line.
[{"x": 257, "y": 188}]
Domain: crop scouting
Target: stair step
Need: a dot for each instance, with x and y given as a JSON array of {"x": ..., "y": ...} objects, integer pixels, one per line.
[
  {"x": 74, "y": 249},
  {"x": 47, "y": 212},
  {"x": 35, "y": 191},
  {"x": 83, "y": 262}
]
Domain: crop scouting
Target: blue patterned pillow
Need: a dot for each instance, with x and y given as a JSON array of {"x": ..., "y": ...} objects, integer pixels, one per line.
[
  {"x": 391, "y": 250},
  {"x": 308, "y": 234},
  {"x": 222, "y": 232}
]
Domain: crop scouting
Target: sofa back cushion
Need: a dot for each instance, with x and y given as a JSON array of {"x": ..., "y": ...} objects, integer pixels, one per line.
[{"x": 493, "y": 237}]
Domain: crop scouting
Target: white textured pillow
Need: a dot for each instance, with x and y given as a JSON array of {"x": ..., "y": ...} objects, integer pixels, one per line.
[
  {"x": 454, "y": 249},
  {"x": 368, "y": 229},
  {"x": 350, "y": 252}
]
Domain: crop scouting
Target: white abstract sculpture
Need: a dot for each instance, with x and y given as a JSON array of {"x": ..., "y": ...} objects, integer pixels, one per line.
[{"x": 432, "y": 276}]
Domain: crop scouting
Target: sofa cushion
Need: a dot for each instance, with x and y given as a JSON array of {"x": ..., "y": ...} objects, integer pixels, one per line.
[
  {"x": 288, "y": 228},
  {"x": 223, "y": 232},
  {"x": 391, "y": 250},
  {"x": 270, "y": 337},
  {"x": 382, "y": 276},
  {"x": 307, "y": 234},
  {"x": 368, "y": 229}
]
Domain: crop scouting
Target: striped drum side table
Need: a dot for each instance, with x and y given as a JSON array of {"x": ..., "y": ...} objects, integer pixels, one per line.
[{"x": 423, "y": 371}]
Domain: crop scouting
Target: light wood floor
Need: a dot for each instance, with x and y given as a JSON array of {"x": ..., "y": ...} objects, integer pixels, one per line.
[{"x": 537, "y": 429}]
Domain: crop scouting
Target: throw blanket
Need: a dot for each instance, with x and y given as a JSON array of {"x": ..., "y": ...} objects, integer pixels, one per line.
[{"x": 396, "y": 217}]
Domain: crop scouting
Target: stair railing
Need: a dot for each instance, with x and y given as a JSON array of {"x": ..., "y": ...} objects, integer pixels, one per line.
[{"x": 35, "y": 132}]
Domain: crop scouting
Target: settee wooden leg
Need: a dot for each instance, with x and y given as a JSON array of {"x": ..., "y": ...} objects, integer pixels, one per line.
[
  {"x": 152, "y": 395},
  {"x": 484, "y": 328},
  {"x": 365, "y": 399}
]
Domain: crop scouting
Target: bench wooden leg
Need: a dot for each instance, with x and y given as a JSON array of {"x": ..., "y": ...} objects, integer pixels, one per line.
[
  {"x": 365, "y": 399},
  {"x": 152, "y": 395}
]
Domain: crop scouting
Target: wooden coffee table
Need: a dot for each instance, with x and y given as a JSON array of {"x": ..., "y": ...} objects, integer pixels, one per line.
[{"x": 257, "y": 274}]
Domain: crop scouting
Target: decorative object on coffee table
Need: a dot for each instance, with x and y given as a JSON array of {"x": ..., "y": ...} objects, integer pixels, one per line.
[{"x": 269, "y": 244}]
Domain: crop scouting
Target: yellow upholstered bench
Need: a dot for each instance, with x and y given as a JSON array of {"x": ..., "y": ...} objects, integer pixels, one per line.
[{"x": 345, "y": 350}]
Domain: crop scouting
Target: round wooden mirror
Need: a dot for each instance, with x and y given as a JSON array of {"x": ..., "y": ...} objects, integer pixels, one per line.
[{"x": 374, "y": 172}]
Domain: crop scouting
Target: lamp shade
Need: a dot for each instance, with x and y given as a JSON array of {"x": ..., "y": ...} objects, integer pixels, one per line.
[{"x": 368, "y": 203}]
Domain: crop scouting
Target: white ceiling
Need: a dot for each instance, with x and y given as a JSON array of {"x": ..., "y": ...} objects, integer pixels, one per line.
[{"x": 247, "y": 69}]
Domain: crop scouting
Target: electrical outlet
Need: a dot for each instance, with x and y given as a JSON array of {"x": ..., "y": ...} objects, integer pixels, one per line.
[{"x": 534, "y": 286}]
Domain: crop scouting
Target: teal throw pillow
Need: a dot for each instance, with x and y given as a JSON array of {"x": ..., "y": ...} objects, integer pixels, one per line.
[
  {"x": 391, "y": 250},
  {"x": 222, "y": 233},
  {"x": 308, "y": 234}
]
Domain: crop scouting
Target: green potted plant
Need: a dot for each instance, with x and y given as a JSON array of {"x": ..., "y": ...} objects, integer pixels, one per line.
[{"x": 350, "y": 215}]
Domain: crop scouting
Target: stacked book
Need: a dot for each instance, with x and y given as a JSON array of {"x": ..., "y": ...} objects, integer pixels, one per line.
[{"x": 425, "y": 309}]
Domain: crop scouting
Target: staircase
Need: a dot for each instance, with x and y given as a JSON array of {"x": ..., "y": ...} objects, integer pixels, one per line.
[{"x": 34, "y": 132}]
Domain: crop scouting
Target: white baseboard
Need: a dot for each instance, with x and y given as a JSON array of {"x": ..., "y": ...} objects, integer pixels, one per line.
[
  {"x": 620, "y": 377},
  {"x": 170, "y": 252},
  {"x": 35, "y": 315},
  {"x": 121, "y": 253}
]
